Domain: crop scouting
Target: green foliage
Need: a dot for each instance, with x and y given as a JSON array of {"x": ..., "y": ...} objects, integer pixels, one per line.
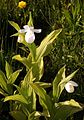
[
  {"x": 68, "y": 49},
  {"x": 8, "y": 69},
  {"x": 16, "y": 97},
  {"x": 60, "y": 81},
  {"x": 15, "y": 25},
  {"x": 66, "y": 109},
  {"x": 24, "y": 60},
  {"x": 30, "y": 22},
  {"x": 3, "y": 81},
  {"x": 42, "y": 50},
  {"x": 13, "y": 76},
  {"x": 25, "y": 96},
  {"x": 6, "y": 82}
]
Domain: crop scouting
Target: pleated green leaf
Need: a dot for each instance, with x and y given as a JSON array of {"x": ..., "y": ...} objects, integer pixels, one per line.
[
  {"x": 15, "y": 25},
  {"x": 3, "y": 81},
  {"x": 23, "y": 60},
  {"x": 43, "y": 96},
  {"x": 30, "y": 22},
  {"x": 43, "y": 84},
  {"x": 38, "y": 69},
  {"x": 3, "y": 93},
  {"x": 16, "y": 97},
  {"x": 8, "y": 69},
  {"x": 66, "y": 109},
  {"x": 16, "y": 34},
  {"x": 44, "y": 46},
  {"x": 14, "y": 76},
  {"x": 59, "y": 77}
]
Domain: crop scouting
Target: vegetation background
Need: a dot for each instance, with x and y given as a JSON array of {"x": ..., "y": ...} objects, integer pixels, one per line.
[{"x": 67, "y": 50}]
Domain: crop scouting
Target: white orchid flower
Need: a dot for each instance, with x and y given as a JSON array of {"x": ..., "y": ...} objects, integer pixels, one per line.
[
  {"x": 30, "y": 36},
  {"x": 29, "y": 33},
  {"x": 70, "y": 86}
]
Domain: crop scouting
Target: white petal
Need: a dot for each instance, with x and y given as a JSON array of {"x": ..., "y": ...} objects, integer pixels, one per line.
[
  {"x": 69, "y": 88},
  {"x": 26, "y": 27},
  {"x": 29, "y": 37},
  {"x": 37, "y": 30},
  {"x": 21, "y": 31},
  {"x": 73, "y": 83},
  {"x": 31, "y": 27}
]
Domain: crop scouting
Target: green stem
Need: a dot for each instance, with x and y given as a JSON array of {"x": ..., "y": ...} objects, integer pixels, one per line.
[{"x": 32, "y": 48}]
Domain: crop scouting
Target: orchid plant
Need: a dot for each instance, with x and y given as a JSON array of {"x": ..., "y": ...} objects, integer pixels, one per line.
[{"x": 24, "y": 98}]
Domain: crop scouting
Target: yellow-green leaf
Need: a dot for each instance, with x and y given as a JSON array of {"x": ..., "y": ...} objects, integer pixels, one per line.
[
  {"x": 41, "y": 50},
  {"x": 66, "y": 109},
  {"x": 15, "y": 25},
  {"x": 8, "y": 69},
  {"x": 23, "y": 60},
  {"x": 13, "y": 76},
  {"x": 3, "y": 81},
  {"x": 16, "y": 97}
]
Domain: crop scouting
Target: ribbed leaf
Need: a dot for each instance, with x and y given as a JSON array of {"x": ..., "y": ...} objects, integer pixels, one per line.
[
  {"x": 3, "y": 93},
  {"x": 25, "y": 88},
  {"x": 23, "y": 60},
  {"x": 8, "y": 69},
  {"x": 59, "y": 77},
  {"x": 15, "y": 25},
  {"x": 16, "y": 34},
  {"x": 37, "y": 69},
  {"x": 16, "y": 97},
  {"x": 42, "y": 94},
  {"x": 13, "y": 76},
  {"x": 42, "y": 49},
  {"x": 43, "y": 84},
  {"x": 65, "y": 109},
  {"x": 30, "y": 22},
  {"x": 3, "y": 81}
]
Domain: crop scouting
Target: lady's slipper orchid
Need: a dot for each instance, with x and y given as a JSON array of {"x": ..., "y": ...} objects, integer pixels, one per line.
[
  {"x": 70, "y": 86},
  {"x": 29, "y": 33}
]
